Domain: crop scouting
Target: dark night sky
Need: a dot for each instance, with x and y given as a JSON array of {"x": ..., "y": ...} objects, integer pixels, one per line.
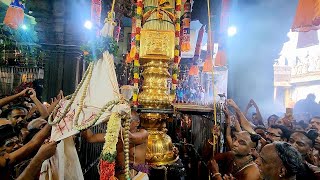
[{"x": 262, "y": 29}]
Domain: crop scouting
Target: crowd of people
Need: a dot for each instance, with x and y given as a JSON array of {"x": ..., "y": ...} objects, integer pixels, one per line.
[
  {"x": 25, "y": 138},
  {"x": 281, "y": 148},
  {"x": 190, "y": 92},
  {"x": 278, "y": 148}
]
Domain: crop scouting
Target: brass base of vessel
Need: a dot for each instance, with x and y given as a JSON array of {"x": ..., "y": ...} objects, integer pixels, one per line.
[
  {"x": 154, "y": 90},
  {"x": 160, "y": 147}
]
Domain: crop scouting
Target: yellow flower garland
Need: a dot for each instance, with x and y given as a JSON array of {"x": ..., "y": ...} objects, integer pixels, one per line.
[{"x": 111, "y": 137}]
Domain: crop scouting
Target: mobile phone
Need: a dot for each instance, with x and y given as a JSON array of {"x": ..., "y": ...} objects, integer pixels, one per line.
[{"x": 29, "y": 93}]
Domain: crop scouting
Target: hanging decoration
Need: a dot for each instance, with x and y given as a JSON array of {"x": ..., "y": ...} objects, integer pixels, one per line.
[
  {"x": 136, "y": 69},
  {"x": 15, "y": 14},
  {"x": 133, "y": 39},
  {"x": 117, "y": 32},
  {"x": 176, "y": 61},
  {"x": 197, "y": 50},
  {"x": 221, "y": 59},
  {"x": 224, "y": 17},
  {"x": 130, "y": 56},
  {"x": 128, "y": 59},
  {"x": 96, "y": 12},
  {"x": 109, "y": 151},
  {"x": 94, "y": 49},
  {"x": 185, "y": 39},
  {"x": 194, "y": 70},
  {"x": 307, "y": 16},
  {"x": 208, "y": 65},
  {"x": 307, "y": 22}
]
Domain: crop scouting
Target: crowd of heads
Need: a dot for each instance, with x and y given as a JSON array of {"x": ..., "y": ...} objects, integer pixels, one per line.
[
  {"x": 190, "y": 91},
  {"x": 23, "y": 131},
  {"x": 282, "y": 147},
  {"x": 286, "y": 147}
]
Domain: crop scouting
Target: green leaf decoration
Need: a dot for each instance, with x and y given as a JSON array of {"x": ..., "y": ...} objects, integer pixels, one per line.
[
  {"x": 109, "y": 157},
  {"x": 94, "y": 49}
]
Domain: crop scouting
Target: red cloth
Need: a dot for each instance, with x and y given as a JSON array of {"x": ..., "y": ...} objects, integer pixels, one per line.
[
  {"x": 221, "y": 59},
  {"x": 194, "y": 70},
  {"x": 208, "y": 66},
  {"x": 307, "y": 16},
  {"x": 14, "y": 17}
]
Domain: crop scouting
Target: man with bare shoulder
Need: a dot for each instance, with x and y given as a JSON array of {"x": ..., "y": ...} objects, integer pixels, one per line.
[
  {"x": 238, "y": 162},
  {"x": 138, "y": 139}
]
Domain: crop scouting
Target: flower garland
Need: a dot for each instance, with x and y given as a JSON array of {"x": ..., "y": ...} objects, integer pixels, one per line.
[
  {"x": 133, "y": 40},
  {"x": 176, "y": 60},
  {"x": 83, "y": 96},
  {"x": 107, "y": 106},
  {"x": 109, "y": 151},
  {"x": 95, "y": 48},
  {"x": 136, "y": 69},
  {"x": 126, "y": 148},
  {"x": 64, "y": 113}
]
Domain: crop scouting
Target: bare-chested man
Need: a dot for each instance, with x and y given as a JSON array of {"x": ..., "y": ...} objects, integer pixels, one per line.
[
  {"x": 237, "y": 162},
  {"x": 138, "y": 148}
]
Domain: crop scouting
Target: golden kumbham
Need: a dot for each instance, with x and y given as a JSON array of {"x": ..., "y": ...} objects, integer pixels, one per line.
[{"x": 157, "y": 45}]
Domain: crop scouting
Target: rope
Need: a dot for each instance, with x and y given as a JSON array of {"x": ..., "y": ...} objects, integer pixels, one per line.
[
  {"x": 214, "y": 103},
  {"x": 111, "y": 12},
  {"x": 112, "y": 7}
]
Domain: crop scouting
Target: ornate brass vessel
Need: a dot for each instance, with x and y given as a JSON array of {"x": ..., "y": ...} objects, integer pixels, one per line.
[
  {"x": 155, "y": 96},
  {"x": 156, "y": 52}
]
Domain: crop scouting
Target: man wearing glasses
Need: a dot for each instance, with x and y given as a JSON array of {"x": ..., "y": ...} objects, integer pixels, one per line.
[{"x": 277, "y": 133}]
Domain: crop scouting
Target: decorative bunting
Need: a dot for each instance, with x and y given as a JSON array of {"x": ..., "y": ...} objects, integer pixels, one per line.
[
  {"x": 176, "y": 60},
  {"x": 208, "y": 65},
  {"x": 224, "y": 17},
  {"x": 185, "y": 39},
  {"x": 307, "y": 16},
  {"x": 197, "y": 50},
  {"x": 221, "y": 59},
  {"x": 96, "y": 12},
  {"x": 194, "y": 70},
  {"x": 117, "y": 32},
  {"x": 136, "y": 63}
]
